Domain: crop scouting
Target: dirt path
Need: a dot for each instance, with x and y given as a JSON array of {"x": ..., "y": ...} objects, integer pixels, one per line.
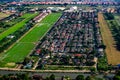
[{"x": 113, "y": 55}]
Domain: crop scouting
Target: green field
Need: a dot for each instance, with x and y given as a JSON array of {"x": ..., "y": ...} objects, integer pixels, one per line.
[
  {"x": 12, "y": 22},
  {"x": 22, "y": 48},
  {"x": 18, "y": 25}
]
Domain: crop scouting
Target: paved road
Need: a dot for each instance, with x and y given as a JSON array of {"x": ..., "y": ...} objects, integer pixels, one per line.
[{"x": 57, "y": 74}]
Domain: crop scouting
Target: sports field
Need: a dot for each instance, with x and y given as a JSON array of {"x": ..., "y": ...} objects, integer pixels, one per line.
[
  {"x": 113, "y": 55},
  {"x": 3, "y": 15},
  {"x": 17, "y": 26},
  {"x": 24, "y": 46}
]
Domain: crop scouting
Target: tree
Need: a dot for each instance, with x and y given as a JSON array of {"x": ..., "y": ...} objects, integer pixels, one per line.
[
  {"x": 89, "y": 78},
  {"x": 102, "y": 46},
  {"x": 80, "y": 77},
  {"x": 116, "y": 77},
  {"x": 92, "y": 69},
  {"x": 26, "y": 60},
  {"x": 52, "y": 77}
]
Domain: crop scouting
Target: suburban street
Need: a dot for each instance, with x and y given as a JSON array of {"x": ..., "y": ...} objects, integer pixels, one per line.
[{"x": 57, "y": 74}]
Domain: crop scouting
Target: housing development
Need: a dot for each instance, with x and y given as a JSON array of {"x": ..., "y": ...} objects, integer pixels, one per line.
[{"x": 55, "y": 40}]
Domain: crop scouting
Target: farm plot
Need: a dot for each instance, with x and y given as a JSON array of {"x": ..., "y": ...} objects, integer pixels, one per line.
[
  {"x": 111, "y": 51},
  {"x": 23, "y": 47},
  {"x": 17, "y": 26},
  {"x": 6, "y": 24}
]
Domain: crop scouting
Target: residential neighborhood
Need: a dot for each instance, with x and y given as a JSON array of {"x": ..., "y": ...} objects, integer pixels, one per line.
[{"x": 59, "y": 40}]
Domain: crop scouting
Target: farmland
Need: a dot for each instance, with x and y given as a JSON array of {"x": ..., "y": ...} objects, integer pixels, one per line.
[
  {"x": 11, "y": 21},
  {"x": 23, "y": 47},
  {"x": 3, "y": 15},
  {"x": 112, "y": 53},
  {"x": 17, "y": 26}
]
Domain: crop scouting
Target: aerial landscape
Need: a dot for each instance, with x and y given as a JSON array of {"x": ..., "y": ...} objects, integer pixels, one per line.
[{"x": 59, "y": 39}]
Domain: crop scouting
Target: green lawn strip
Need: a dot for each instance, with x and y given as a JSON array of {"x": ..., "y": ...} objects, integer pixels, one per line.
[
  {"x": 16, "y": 26},
  {"x": 22, "y": 48},
  {"x": 26, "y": 15}
]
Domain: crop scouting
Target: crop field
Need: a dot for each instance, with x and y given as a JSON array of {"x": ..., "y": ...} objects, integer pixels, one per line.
[
  {"x": 19, "y": 19},
  {"x": 17, "y": 26},
  {"x": 11, "y": 23},
  {"x": 23, "y": 47},
  {"x": 112, "y": 53},
  {"x": 3, "y": 15}
]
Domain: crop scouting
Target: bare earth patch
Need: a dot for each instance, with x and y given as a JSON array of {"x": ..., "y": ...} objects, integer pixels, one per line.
[
  {"x": 10, "y": 64},
  {"x": 113, "y": 55}
]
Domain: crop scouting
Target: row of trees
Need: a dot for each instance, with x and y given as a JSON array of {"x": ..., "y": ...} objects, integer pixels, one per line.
[
  {"x": 51, "y": 77},
  {"x": 109, "y": 16},
  {"x": 116, "y": 32}
]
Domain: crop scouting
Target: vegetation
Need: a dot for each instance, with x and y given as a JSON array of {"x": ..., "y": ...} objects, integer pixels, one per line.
[
  {"x": 117, "y": 76},
  {"x": 111, "y": 52},
  {"x": 80, "y": 77},
  {"x": 22, "y": 48},
  {"x": 10, "y": 39},
  {"x": 16, "y": 26},
  {"x": 102, "y": 64},
  {"x": 109, "y": 16},
  {"x": 28, "y": 76}
]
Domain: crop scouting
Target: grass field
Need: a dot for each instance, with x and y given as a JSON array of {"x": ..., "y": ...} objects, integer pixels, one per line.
[
  {"x": 22, "y": 48},
  {"x": 17, "y": 26},
  {"x": 3, "y": 15},
  {"x": 113, "y": 55}
]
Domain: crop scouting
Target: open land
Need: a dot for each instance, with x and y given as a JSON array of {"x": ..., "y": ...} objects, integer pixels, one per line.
[
  {"x": 111, "y": 52},
  {"x": 3, "y": 15}
]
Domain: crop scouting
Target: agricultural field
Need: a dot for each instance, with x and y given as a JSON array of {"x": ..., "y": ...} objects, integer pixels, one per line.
[
  {"x": 3, "y": 15},
  {"x": 6, "y": 24},
  {"x": 117, "y": 18},
  {"x": 25, "y": 45},
  {"x": 17, "y": 26},
  {"x": 113, "y": 55}
]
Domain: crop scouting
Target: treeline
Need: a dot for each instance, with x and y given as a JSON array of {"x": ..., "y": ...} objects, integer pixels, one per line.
[
  {"x": 51, "y": 77},
  {"x": 109, "y": 16},
  {"x": 116, "y": 32}
]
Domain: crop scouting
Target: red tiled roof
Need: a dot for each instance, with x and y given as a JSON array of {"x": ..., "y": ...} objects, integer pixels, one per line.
[{"x": 79, "y": 55}]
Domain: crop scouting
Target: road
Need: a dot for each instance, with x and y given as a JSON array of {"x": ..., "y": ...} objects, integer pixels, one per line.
[{"x": 57, "y": 74}]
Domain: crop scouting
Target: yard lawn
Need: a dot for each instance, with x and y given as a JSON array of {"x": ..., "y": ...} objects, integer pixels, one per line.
[
  {"x": 113, "y": 55},
  {"x": 22, "y": 48},
  {"x": 3, "y": 15},
  {"x": 17, "y": 26}
]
